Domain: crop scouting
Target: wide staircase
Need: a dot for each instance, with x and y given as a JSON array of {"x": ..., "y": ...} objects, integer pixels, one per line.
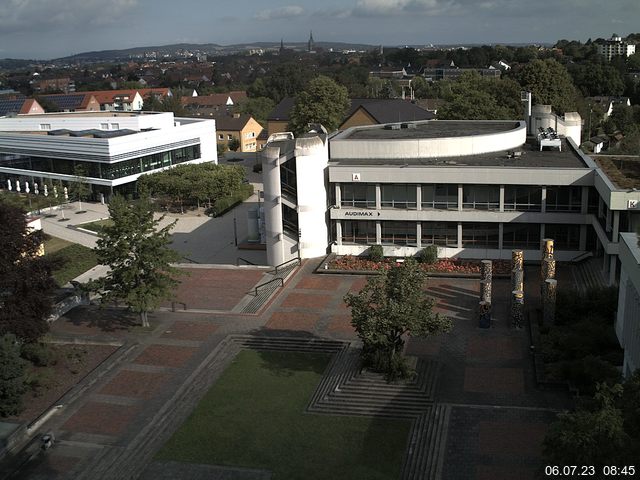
[
  {"x": 588, "y": 274},
  {"x": 261, "y": 293}
]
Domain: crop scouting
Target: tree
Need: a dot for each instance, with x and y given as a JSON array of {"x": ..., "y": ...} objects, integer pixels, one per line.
[
  {"x": 323, "y": 101},
  {"x": 259, "y": 108},
  {"x": 80, "y": 183},
  {"x": 550, "y": 84},
  {"x": 234, "y": 144},
  {"x": 11, "y": 376},
  {"x": 139, "y": 258},
  {"x": 389, "y": 307},
  {"x": 26, "y": 286}
]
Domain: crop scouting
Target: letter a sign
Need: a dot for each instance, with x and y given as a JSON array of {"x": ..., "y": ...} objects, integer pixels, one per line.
[{"x": 355, "y": 177}]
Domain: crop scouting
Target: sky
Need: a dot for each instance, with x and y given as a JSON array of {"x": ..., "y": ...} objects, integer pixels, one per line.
[{"x": 45, "y": 29}]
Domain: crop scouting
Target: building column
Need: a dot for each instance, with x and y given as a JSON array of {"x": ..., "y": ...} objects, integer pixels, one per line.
[
  {"x": 542, "y": 234},
  {"x": 501, "y": 203},
  {"x": 584, "y": 208},
  {"x": 459, "y": 234},
  {"x": 616, "y": 225},
  {"x": 378, "y": 233},
  {"x": 500, "y": 235},
  {"x": 612, "y": 269},
  {"x": 460, "y": 197},
  {"x": 378, "y": 198},
  {"x": 419, "y": 234},
  {"x": 543, "y": 202},
  {"x": 609, "y": 220},
  {"x": 272, "y": 206},
  {"x": 419, "y": 197},
  {"x": 338, "y": 238},
  {"x": 338, "y": 195},
  {"x": 583, "y": 238}
]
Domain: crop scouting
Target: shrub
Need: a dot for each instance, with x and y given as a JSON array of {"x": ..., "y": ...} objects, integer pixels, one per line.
[
  {"x": 40, "y": 354},
  {"x": 428, "y": 255},
  {"x": 376, "y": 254},
  {"x": 227, "y": 203},
  {"x": 586, "y": 372}
]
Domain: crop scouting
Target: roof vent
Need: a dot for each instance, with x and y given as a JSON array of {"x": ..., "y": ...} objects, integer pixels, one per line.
[
  {"x": 392, "y": 126},
  {"x": 408, "y": 125}
]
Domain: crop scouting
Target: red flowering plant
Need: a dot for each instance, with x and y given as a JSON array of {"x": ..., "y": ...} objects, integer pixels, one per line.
[{"x": 448, "y": 265}]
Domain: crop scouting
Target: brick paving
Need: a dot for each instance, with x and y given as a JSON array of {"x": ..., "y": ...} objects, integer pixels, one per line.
[{"x": 480, "y": 368}]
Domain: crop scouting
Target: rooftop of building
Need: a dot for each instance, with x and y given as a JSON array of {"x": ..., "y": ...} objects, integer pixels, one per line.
[
  {"x": 526, "y": 156},
  {"x": 623, "y": 171},
  {"x": 429, "y": 129}
]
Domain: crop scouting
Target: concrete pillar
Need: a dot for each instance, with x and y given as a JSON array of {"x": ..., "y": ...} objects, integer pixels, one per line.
[
  {"x": 419, "y": 234},
  {"x": 543, "y": 206},
  {"x": 500, "y": 235},
  {"x": 584, "y": 207},
  {"x": 583, "y": 238},
  {"x": 378, "y": 232},
  {"x": 272, "y": 206},
  {"x": 616, "y": 225},
  {"x": 541, "y": 232},
  {"x": 378, "y": 196},
  {"x": 460, "y": 198},
  {"x": 609, "y": 220},
  {"x": 613, "y": 262},
  {"x": 502, "y": 198},
  {"x": 419, "y": 197},
  {"x": 338, "y": 238},
  {"x": 338, "y": 195},
  {"x": 459, "y": 234}
]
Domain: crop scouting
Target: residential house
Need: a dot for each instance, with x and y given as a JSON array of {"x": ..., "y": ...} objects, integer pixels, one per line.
[
  {"x": 71, "y": 102},
  {"x": 19, "y": 106},
  {"x": 241, "y": 127}
]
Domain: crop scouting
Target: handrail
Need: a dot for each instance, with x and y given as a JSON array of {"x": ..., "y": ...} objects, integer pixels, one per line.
[
  {"x": 244, "y": 260},
  {"x": 267, "y": 283},
  {"x": 288, "y": 261},
  {"x": 581, "y": 257}
]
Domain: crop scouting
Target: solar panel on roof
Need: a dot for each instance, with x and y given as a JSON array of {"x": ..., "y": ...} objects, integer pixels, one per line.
[
  {"x": 66, "y": 102},
  {"x": 10, "y": 106}
]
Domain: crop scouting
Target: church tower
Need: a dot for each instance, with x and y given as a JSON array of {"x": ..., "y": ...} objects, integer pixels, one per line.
[{"x": 311, "y": 44}]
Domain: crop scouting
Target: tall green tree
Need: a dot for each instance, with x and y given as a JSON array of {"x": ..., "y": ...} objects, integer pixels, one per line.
[
  {"x": 259, "y": 108},
  {"x": 323, "y": 101},
  {"x": 388, "y": 308},
  {"x": 80, "y": 185},
  {"x": 137, "y": 252},
  {"x": 550, "y": 84},
  {"x": 26, "y": 286},
  {"x": 11, "y": 376}
]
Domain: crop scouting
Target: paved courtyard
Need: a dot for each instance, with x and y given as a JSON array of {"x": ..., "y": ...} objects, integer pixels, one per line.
[{"x": 498, "y": 417}]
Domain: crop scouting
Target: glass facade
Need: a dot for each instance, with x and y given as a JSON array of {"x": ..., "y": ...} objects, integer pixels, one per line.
[
  {"x": 403, "y": 196},
  {"x": 288, "y": 178},
  {"x": 440, "y": 197},
  {"x": 566, "y": 237},
  {"x": 103, "y": 170},
  {"x": 480, "y": 235},
  {"x": 359, "y": 232},
  {"x": 521, "y": 198},
  {"x": 521, "y": 235},
  {"x": 399, "y": 233},
  {"x": 444, "y": 234},
  {"x": 481, "y": 197},
  {"x": 290, "y": 221},
  {"x": 358, "y": 195},
  {"x": 564, "y": 199}
]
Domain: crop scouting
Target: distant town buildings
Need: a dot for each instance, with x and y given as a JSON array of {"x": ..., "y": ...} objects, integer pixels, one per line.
[{"x": 615, "y": 46}]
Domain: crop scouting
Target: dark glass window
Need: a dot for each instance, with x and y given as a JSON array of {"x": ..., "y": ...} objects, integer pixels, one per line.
[
  {"x": 360, "y": 232},
  {"x": 440, "y": 197},
  {"x": 564, "y": 199},
  {"x": 521, "y": 235},
  {"x": 444, "y": 234},
  {"x": 480, "y": 235},
  {"x": 566, "y": 237},
  {"x": 358, "y": 195},
  {"x": 290, "y": 221},
  {"x": 481, "y": 197},
  {"x": 399, "y": 233},
  {"x": 522, "y": 198},
  {"x": 399, "y": 196},
  {"x": 288, "y": 178}
]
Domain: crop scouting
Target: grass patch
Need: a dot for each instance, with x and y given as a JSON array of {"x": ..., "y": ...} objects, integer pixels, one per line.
[
  {"x": 254, "y": 417},
  {"x": 53, "y": 244},
  {"x": 97, "y": 225},
  {"x": 70, "y": 260}
]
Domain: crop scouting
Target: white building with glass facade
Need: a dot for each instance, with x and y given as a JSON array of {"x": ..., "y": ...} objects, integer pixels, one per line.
[{"x": 114, "y": 149}]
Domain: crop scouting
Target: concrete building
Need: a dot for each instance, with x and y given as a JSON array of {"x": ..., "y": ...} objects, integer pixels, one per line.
[
  {"x": 628, "y": 317},
  {"x": 243, "y": 128},
  {"x": 615, "y": 47},
  {"x": 114, "y": 148}
]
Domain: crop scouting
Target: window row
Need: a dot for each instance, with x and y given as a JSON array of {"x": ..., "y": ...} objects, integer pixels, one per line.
[
  {"x": 519, "y": 198},
  {"x": 474, "y": 235},
  {"x": 109, "y": 171}
]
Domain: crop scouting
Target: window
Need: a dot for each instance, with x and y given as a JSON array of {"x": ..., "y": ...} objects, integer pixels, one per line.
[
  {"x": 115, "y": 126},
  {"x": 104, "y": 126},
  {"x": 288, "y": 178},
  {"x": 290, "y": 221},
  {"x": 399, "y": 196},
  {"x": 220, "y": 136},
  {"x": 521, "y": 198},
  {"x": 566, "y": 237},
  {"x": 358, "y": 195},
  {"x": 45, "y": 126},
  {"x": 480, "y": 235},
  {"x": 564, "y": 199},
  {"x": 481, "y": 197},
  {"x": 444, "y": 234},
  {"x": 440, "y": 197},
  {"x": 229, "y": 137},
  {"x": 359, "y": 232},
  {"x": 399, "y": 233},
  {"x": 521, "y": 235}
]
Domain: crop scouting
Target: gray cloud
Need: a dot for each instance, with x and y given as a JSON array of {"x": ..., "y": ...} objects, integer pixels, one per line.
[
  {"x": 289, "y": 11},
  {"x": 16, "y": 15}
]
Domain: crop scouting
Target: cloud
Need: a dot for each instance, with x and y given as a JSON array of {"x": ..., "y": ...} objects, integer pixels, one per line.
[
  {"x": 18, "y": 15},
  {"x": 379, "y": 8},
  {"x": 290, "y": 11}
]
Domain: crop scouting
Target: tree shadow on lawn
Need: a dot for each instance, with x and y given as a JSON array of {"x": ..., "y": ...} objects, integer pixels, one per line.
[
  {"x": 282, "y": 364},
  {"x": 103, "y": 319}
]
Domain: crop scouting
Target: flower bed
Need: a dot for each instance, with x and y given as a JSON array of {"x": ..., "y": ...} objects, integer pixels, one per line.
[{"x": 444, "y": 266}]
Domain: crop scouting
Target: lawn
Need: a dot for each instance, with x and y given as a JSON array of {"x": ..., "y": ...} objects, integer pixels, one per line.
[
  {"x": 97, "y": 225},
  {"x": 254, "y": 417},
  {"x": 71, "y": 259}
]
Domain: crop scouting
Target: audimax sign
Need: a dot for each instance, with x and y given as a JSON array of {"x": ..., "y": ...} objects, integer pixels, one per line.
[{"x": 358, "y": 213}]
